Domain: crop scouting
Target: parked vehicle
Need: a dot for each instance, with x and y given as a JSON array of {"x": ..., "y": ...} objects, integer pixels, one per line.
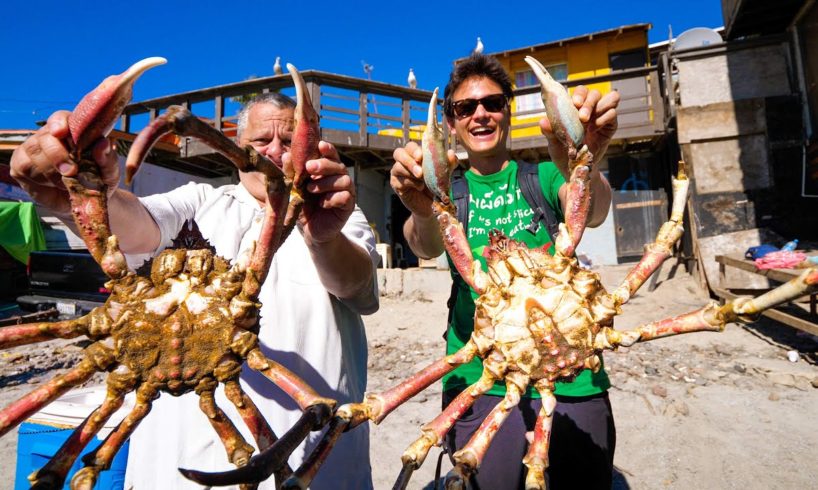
[{"x": 69, "y": 280}]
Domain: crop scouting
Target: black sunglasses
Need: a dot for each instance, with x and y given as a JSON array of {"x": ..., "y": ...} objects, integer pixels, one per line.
[{"x": 492, "y": 103}]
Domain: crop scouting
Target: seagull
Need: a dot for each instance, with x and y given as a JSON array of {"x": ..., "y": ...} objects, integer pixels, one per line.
[
  {"x": 413, "y": 82},
  {"x": 479, "y": 48},
  {"x": 277, "y": 66}
]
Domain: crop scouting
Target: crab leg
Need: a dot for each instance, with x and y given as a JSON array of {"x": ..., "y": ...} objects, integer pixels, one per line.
[
  {"x": 377, "y": 406},
  {"x": 15, "y": 335},
  {"x": 468, "y": 458},
  {"x": 662, "y": 248},
  {"x": 568, "y": 129},
  {"x": 261, "y": 430},
  {"x": 317, "y": 413},
  {"x": 264, "y": 464},
  {"x": 305, "y": 473},
  {"x": 97, "y": 358},
  {"x": 712, "y": 317},
  {"x": 179, "y": 120},
  {"x": 238, "y": 451},
  {"x": 432, "y": 434},
  {"x": 437, "y": 176},
  {"x": 295, "y": 387},
  {"x": 536, "y": 460},
  {"x": 92, "y": 119},
  {"x": 53, "y": 474},
  {"x": 101, "y": 458}
]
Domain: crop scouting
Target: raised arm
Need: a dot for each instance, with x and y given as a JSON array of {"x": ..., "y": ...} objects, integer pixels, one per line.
[
  {"x": 40, "y": 162},
  {"x": 598, "y": 115},
  {"x": 344, "y": 267},
  {"x": 421, "y": 230}
]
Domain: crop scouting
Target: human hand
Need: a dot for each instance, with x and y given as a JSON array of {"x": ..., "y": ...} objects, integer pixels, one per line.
[
  {"x": 43, "y": 159},
  {"x": 332, "y": 197},
  {"x": 598, "y": 116},
  {"x": 406, "y": 178}
]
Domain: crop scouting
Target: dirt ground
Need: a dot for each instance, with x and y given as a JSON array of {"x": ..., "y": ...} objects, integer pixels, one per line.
[{"x": 704, "y": 410}]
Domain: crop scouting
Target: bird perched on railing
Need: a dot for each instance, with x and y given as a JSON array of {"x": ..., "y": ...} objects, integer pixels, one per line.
[
  {"x": 277, "y": 66},
  {"x": 478, "y": 49},
  {"x": 413, "y": 82}
]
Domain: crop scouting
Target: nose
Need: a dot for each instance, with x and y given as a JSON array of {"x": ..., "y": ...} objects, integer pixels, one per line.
[
  {"x": 480, "y": 112},
  {"x": 274, "y": 150}
]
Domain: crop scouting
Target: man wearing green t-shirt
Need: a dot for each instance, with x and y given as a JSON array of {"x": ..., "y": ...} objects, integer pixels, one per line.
[{"x": 477, "y": 109}]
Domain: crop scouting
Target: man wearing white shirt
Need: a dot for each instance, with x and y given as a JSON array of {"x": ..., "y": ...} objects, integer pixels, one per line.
[{"x": 320, "y": 282}]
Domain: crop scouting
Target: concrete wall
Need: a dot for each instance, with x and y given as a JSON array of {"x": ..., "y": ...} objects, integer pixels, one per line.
[
  {"x": 734, "y": 75},
  {"x": 599, "y": 244},
  {"x": 739, "y": 127}
]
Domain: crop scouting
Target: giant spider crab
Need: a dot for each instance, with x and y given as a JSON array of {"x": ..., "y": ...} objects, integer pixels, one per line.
[
  {"x": 191, "y": 322},
  {"x": 539, "y": 318}
]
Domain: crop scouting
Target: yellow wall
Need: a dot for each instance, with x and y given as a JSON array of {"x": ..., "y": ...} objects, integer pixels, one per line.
[{"x": 585, "y": 58}]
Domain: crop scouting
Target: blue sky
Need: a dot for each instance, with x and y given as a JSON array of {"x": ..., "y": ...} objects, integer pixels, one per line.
[{"x": 56, "y": 51}]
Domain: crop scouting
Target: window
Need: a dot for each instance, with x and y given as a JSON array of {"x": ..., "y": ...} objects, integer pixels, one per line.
[{"x": 526, "y": 78}]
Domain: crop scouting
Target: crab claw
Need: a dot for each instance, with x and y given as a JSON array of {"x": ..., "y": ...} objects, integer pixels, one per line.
[
  {"x": 559, "y": 107},
  {"x": 436, "y": 169},
  {"x": 437, "y": 174},
  {"x": 306, "y": 134},
  {"x": 179, "y": 120},
  {"x": 97, "y": 112}
]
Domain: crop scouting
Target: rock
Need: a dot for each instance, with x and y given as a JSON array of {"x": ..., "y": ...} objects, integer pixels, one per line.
[
  {"x": 783, "y": 379},
  {"x": 773, "y": 397},
  {"x": 659, "y": 390},
  {"x": 814, "y": 382},
  {"x": 676, "y": 408},
  {"x": 651, "y": 371},
  {"x": 681, "y": 408},
  {"x": 739, "y": 367}
]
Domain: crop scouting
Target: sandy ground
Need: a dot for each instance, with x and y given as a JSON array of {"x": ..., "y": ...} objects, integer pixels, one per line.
[{"x": 704, "y": 410}]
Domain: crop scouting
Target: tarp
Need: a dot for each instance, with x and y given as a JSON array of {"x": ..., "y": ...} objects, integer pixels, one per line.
[{"x": 20, "y": 230}]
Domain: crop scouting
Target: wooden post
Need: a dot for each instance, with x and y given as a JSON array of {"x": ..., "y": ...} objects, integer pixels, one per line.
[
  {"x": 363, "y": 117},
  {"x": 405, "y": 120},
  {"x": 218, "y": 112}
]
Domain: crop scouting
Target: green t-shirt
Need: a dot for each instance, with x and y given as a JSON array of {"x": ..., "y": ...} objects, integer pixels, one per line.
[{"x": 496, "y": 202}]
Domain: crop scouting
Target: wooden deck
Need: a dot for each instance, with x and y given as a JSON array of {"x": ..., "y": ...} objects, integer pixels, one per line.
[{"x": 364, "y": 119}]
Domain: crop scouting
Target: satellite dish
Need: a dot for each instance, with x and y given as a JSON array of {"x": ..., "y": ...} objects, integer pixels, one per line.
[{"x": 696, "y": 38}]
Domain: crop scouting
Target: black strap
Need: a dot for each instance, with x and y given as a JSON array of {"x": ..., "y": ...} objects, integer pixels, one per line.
[
  {"x": 460, "y": 195},
  {"x": 528, "y": 178}
]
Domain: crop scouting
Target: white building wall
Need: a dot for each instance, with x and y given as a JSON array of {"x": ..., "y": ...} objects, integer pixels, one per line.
[{"x": 372, "y": 194}]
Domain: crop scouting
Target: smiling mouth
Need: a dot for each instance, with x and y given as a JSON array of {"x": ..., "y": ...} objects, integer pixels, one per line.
[{"x": 481, "y": 131}]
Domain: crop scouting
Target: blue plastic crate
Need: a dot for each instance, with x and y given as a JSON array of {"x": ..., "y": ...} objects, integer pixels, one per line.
[{"x": 37, "y": 443}]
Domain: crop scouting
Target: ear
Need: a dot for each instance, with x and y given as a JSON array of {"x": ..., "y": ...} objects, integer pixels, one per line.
[{"x": 450, "y": 124}]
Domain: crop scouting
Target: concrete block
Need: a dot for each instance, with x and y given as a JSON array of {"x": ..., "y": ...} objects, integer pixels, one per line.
[
  {"x": 731, "y": 165},
  {"x": 734, "y": 75},
  {"x": 721, "y": 120},
  {"x": 414, "y": 283}
]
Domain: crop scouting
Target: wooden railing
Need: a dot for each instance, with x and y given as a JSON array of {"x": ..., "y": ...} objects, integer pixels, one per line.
[{"x": 363, "y": 113}]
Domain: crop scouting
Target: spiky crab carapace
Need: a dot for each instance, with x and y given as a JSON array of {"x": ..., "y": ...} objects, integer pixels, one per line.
[
  {"x": 188, "y": 325},
  {"x": 539, "y": 318}
]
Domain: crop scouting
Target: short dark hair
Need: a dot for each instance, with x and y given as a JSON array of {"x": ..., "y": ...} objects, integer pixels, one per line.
[{"x": 476, "y": 65}]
